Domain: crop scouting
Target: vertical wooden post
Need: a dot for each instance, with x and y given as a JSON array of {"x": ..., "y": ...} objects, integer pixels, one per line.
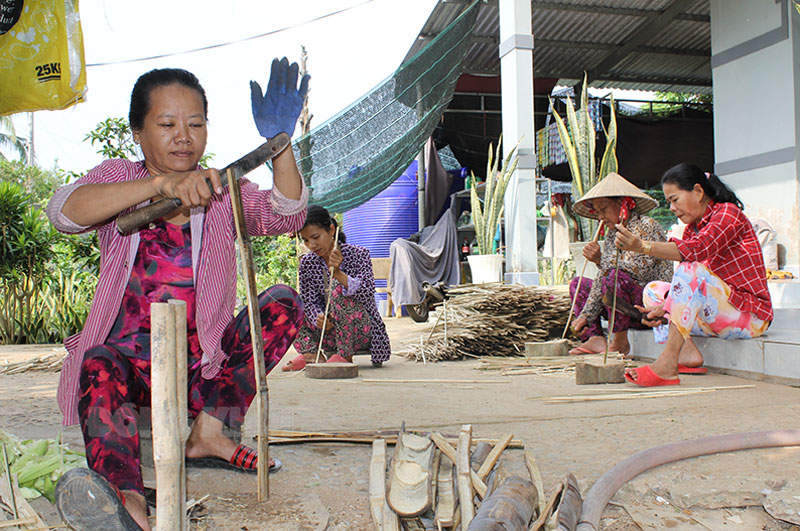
[
  {"x": 181, "y": 388},
  {"x": 256, "y": 337},
  {"x": 167, "y": 440}
]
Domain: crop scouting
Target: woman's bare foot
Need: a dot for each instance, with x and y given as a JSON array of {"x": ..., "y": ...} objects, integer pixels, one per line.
[
  {"x": 137, "y": 507},
  {"x": 620, "y": 343},
  {"x": 207, "y": 440},
  {"x": 690, "y": 355},
  {"x": 593, "y": 345}
]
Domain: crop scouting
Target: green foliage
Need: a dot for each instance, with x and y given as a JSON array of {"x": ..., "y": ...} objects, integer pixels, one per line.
[
  {"x": 486, "y": 217},
  {"x": 669, "y": 100},
  {"x": 564, "y": 271},
  {"x": 276, "y": 261},
  {"x": 115, "y": 138},
  {"x": 9, "y": 139},
  {"x": 39, "y": 184},
  {"x": 661, "y": 213}
]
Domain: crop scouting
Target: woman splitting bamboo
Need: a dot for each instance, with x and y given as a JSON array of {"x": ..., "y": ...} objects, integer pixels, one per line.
[
  {"x": 187, "y": 255},
  {"x": 609, "y": 201},
  {"x": 719, "y": 288},
  {"x": 336, "y": 277}
]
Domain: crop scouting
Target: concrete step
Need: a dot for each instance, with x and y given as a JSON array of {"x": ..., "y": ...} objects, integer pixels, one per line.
[{"x": 772, "y": 357}]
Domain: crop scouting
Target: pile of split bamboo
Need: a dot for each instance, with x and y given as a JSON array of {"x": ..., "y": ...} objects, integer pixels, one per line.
[
  {"x": 431, "y": 485},
  {"x": 48, "y": 362},
  {"x": 492, "y": 320}
]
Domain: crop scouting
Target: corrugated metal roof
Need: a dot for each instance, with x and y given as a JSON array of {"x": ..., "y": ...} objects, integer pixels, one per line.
[{"x": 627, "y": 44}]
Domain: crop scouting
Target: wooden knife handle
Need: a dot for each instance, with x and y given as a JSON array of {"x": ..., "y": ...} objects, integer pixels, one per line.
[{"x": 131, "y": 221}]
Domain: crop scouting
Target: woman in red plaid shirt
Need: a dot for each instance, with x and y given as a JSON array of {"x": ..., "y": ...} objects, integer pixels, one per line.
[{"x": 719, "y": 288}]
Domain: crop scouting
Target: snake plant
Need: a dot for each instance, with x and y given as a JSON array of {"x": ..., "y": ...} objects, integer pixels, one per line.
[
  {"x": 486, "y": 217},
  {"x": 578, "y": 138}
]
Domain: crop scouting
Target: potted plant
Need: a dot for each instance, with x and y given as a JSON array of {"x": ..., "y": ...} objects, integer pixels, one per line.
[{"x": 485, "y": 265}]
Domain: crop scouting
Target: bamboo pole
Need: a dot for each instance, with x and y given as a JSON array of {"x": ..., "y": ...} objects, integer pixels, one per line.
[
  {"x": 327, "y": 302},
  {"x": 463, "y": 472},
  {"x": 613, "y": 316},
  {"x": 167, "y": 443},
  {"x": 181, "y": 371},
  {"x": 578, "y": 287},
  {"x": 256, "y": 335},
  {"x": 494, "y": 455}
]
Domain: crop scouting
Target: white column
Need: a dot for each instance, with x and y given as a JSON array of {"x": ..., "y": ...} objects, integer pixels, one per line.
[{"x": 516, "y": 68}]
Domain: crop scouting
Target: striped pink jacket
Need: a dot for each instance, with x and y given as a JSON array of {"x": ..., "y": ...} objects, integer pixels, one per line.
[{"x": 267, "y": 212}]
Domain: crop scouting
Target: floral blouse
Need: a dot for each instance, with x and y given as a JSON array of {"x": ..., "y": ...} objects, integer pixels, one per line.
[
  {"x": 357, "y": 265},
  {"x": 641, "y": 267}
]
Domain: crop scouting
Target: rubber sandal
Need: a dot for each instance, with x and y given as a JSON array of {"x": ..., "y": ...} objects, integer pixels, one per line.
[
  {"x": 85, "y": 500},
  {"x": 297, "y": 364},
  {"x": 683, "y": 369},
  {"x": 337, "y": 359},
  {"x": 581, "y": 350},
  {"x": 645, "y": 377},
  {"x": 244, "y": 459}
]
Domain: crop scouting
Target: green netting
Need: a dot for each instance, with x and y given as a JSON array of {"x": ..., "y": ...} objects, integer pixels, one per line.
[{"x": 359, "y": 152}]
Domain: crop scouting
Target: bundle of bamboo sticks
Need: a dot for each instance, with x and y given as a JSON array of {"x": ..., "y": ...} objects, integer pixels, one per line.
[
  {"x": 492, "y": 320},
  {"x": 51, "y": 362}
]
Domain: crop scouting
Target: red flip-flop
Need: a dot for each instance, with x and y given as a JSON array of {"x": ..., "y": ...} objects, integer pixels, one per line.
[
  {"x": 645, "y": 377},
  {"x": 683, "y": 369},
  {"x": 297, "y": 364},
  {"x": 336, "y": 358},
  {"x": 582, "y": 350}
]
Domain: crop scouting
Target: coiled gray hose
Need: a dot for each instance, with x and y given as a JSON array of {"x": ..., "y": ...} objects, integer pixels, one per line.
[{"x": 605, "y": 487}]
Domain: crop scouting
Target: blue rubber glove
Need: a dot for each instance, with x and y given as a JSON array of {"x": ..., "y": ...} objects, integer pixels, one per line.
[{"x": 277, "y": 110}]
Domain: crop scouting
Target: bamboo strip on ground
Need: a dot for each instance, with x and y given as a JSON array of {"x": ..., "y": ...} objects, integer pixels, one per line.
[
  {"x": 377, "y": 482},
  {"x": 633, "y": 394},
  {"x": 48, "y": 362},
  {"x": 433, "y": 381},
  {"x": 445, "y": 487},
  {"x": 536, "y": 478},
  {"x": 24, "y": 509},
  {"x": 448, "y": 450},
  {"x": 494, "y": 455},
  {"x": 464, "y": 472},
  {"x": 362, "y": 437}
]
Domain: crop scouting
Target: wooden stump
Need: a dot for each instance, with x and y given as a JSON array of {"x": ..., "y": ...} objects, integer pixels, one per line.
[
  {"x": 557, "y": 347},
  {"x": 594, "y": 371},
  {"x": 328, "y": 371}
]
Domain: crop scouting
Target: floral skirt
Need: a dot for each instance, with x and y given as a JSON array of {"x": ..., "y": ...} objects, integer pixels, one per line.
[
  {"x": 697, "y": 303},
  {"x": 351, "y": 330}
]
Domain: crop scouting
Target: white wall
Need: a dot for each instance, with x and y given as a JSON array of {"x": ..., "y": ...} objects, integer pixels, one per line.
[{"x": 754, "y": 46}]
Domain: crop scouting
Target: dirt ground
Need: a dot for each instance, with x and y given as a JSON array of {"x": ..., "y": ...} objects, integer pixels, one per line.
[{"x": 325, "y": 486}]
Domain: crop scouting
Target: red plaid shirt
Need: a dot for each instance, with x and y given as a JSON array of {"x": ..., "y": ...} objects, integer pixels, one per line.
[{"x": 724, "y": 240}]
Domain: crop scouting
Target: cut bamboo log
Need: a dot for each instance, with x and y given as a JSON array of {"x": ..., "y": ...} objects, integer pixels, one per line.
[
  {"x": 256, "y": 337},
  {"x": 494, "y": 455},
  {"x": 464, "y": 472},
  {"x": 377, "y": 482},
  {"x": 167, "y": 441},
  {"x": 410, "y": 490},
  {"x": 479, "y": 454},
  {"x": 590, "y": 371},
  {"x": 331, "y": 371},
  {"x": 181, "y": 389},
  {"x": 556, "y": 347},
  {"x": 569, "y": 510},
  {"x": 446, "y": 501},
  {"x": 448, "y": 450},
  {"x": 510, "y": 507}
]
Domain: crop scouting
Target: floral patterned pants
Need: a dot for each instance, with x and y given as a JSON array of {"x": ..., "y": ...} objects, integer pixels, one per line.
[
  {"x": 628, "y": 290},
  {"x": 350, "y": 332},
  {"x": 697, "y": 303},
  {"x": 115, "y": 386}
]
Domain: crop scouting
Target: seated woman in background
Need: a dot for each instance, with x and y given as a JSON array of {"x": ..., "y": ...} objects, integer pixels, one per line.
[
  {"x": 353, "y": 321},
  {"x": 604, "y": 202},
  {"x": 718, "y": 289}
]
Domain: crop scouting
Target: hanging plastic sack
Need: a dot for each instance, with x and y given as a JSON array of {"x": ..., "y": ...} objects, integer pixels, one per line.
[{"x": 41, "y": 55}]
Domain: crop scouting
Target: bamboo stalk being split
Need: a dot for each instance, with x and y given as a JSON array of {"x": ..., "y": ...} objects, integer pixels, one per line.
[
  {"x": 167, "y": 440},
  {"x": 578, "y": 287},
  {"x": 181, "y": 371},
  {"x": 328, "y": 302},
  {"x": 256, "y": 336},
  {"x": 448, "y": 450},
  {"x": 464, "y": 480}
]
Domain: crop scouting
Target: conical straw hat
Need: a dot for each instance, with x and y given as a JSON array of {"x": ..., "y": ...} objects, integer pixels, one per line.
[{"x": 613, "y": 185}]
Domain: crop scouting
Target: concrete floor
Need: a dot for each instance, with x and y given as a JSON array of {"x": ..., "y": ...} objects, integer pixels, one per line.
[{"x": 325, "y": 485}]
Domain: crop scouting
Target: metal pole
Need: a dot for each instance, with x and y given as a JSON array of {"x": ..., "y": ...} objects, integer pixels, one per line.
[{"x": 421, "y": 188}]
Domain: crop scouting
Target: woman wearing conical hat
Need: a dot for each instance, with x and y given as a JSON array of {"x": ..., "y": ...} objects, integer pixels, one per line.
[
  {"x": 719, "y": 288},
  {"x": 609, "y": 201}
]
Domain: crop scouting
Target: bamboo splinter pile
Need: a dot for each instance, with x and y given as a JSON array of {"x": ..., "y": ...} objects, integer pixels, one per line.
[{"x": 494, "y": 320}]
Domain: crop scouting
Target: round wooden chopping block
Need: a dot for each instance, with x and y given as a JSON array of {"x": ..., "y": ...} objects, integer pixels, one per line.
[{"x": 326, "y": 371}]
